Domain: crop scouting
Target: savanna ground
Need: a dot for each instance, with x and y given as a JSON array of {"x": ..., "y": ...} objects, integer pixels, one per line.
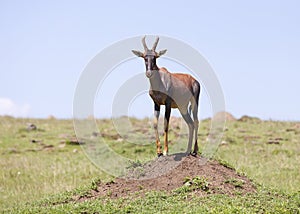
[{"x": 256, "y": 170}]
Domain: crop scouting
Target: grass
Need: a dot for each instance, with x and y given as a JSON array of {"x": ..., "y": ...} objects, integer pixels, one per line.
[
  {"x": 238, "y": 183},
  {"x": 32, "y": 170},
  {"x": 192, "y": 184},
  {"x": 40, "y": 168},
  {"x": 250, "y": 148},
  {"x": 265, "y": 201}
]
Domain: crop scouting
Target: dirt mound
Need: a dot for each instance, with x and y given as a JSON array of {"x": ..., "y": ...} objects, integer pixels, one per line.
[
  {"x": 192, "y": 174},
  {"x": 224, "y": 115},
  {"x": 247, "y": 118}
]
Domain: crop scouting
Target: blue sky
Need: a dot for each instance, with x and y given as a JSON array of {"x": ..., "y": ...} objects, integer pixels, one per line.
[{"x": 253, "y": 46}]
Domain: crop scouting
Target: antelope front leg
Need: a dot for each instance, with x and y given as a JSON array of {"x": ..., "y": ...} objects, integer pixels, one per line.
[
  {"x": 155, "y": 126},
  {"x": 166, "y": 127}
]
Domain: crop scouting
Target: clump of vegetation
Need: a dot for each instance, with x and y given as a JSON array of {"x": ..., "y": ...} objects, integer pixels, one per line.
[
  {"x": 225, "y": 163},
  {"x": 135, "y": 164},
  {"x": 95, "y": 183},
  {"x": 192, "y": 184},
  {"x": 237, "y": 183}
]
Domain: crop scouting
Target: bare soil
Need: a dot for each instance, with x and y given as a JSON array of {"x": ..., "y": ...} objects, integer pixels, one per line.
[{"x": 170, "y": 173}]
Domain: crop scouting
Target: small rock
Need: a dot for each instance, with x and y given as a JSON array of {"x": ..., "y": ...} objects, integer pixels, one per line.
[
  {"x": 273, "y": 142},
  {"x": 120, "y": 140},
  {"x": 223, "y": 143},
  {"x": 48, "y": 146},
  {"x": 96, "y": 134},
  {"x": 61, "y": 145},
  {"x": 31, "y": 127},
  {"x": 35, "y": 141}
]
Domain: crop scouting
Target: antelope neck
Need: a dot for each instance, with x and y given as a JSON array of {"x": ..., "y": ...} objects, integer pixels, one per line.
[{"x": 156, "y": 82}]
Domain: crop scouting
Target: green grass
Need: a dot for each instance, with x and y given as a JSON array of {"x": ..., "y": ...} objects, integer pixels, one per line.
[
  {"x": 41, "y": 177},
  {"x": 192, "y": 184},
  {"x": 265, "y": 201},
  {"x": 30, "y": 171},
  {"x": 268, "y": 152}
]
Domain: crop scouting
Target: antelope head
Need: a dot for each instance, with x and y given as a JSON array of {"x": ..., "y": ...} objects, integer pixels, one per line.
[{"x": 150, "y": 56}]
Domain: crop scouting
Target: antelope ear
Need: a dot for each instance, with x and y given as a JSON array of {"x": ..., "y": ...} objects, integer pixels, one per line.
[
  {"x": 160, "y": 53},
  {"x": 138, "y": 53}
]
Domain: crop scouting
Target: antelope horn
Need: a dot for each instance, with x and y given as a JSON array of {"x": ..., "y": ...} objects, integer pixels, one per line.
[
  {"x": 144, "y": 43},
  {"x": 155, "y": 43}
]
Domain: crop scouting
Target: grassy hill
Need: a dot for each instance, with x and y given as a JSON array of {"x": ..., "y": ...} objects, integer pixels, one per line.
[{"x": 44, "y": 169}]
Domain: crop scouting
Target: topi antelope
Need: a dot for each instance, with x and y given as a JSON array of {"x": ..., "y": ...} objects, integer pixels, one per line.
[{"x": 174, "y": 90}]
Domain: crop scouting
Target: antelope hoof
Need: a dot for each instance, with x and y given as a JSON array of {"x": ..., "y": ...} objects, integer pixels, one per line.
[
  {"x": 187, "y": 153},
  {"x": 159, "y": 154},
  {"x": 194, "y": 154}
]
